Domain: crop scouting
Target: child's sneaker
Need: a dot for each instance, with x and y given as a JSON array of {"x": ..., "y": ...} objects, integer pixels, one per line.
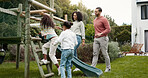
[
  {"x": 59, "y": 71},
  {"x": 44, "y": 61},
  {"x": 76, "y": 69},
  {"x": 107, "y": 70}
]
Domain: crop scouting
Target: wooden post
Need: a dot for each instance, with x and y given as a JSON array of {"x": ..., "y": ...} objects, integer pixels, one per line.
[
  {"x": 66, "y": 17},
  {"x": 27, "y": 37},
  {"x": 51, "y": 6},
  {"x": 18, "y": 56},
  {"x": 19, "y": 20},
  {"x": 51, "y": 15},
  {"x": 18, "y": 35}
]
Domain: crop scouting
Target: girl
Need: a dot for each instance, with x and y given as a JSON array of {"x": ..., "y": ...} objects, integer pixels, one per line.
[
  {"x": 68, "y": 41},
  {"x": 48, "y": 32}
]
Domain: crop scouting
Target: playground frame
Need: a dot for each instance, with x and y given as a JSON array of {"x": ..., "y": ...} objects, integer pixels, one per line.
[{"x": 27, "y": 15}]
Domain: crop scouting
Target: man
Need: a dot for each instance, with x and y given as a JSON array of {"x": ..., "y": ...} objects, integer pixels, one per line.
[{"x": 102, "y": 28}]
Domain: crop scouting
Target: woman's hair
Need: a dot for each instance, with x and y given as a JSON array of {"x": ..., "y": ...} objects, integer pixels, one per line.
[
  {"x": 79, "y": 16},
  {"x": 47, "y": 21},
  {"x": 67, "y": 24}
]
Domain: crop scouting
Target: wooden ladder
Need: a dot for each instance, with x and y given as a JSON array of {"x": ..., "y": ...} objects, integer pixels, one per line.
[{"x": 36, "y": 50}]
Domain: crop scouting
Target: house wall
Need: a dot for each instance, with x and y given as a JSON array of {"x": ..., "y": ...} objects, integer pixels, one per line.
[{"x": 138, "y": 26}]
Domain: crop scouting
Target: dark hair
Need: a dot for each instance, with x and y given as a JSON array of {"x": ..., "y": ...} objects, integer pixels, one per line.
[
  {"x": 47, "y": 21},
  {"x": 79, "y": 16},
  {"x": 67, "y": 24},
  {"x": 99, "y": 9}
]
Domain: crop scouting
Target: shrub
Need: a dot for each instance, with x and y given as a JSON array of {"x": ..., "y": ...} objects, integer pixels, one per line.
[
  {"x": 125, "y": 47},
  {"x": 86, "y": 53},
  {"x": 11, "y": 53},
  {"x": 113, "y": 50}
]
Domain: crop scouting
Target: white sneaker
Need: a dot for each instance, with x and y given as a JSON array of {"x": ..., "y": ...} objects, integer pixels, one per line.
[
  {"x": 76, "y": 69},
  {"x": 59, "y": 71},
  {"x": 44, "y": 61},
  {"x": 107, "y": 70}
]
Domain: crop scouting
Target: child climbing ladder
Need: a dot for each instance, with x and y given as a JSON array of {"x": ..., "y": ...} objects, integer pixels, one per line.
[{"x": 48, "y": 32}]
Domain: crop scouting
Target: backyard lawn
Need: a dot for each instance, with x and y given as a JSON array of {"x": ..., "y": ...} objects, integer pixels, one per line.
[{"x": 125, "y": 67}]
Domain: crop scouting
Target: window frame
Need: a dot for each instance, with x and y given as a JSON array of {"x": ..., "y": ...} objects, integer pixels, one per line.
[{"x": 144, "y": 12}]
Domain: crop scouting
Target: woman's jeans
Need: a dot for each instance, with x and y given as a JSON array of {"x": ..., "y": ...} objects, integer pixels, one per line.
[
  {"x": 66, "y": 58},
  {"x": 75, "y": 48}
]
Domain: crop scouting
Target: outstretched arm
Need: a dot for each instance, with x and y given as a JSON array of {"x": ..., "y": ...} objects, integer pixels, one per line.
[{"x": 57, "y": 27}]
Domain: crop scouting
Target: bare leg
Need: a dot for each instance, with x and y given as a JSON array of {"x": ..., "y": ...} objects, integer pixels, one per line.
[{"x": 45, "y": 56}]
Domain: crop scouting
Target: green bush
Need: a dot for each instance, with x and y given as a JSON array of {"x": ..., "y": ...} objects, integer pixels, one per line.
[
  {"x": 113, "y": 50},
  {"x": 11, "y": 53},
  {"x": 86, "y": 53},
  {"x": 125, "y": 47}
]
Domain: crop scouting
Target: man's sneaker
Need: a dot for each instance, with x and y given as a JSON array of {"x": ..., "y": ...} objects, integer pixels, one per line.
[
  {"x": 59, "y": 71},
  {"x": 107, "y": 70},
  {"x": 76, "y": 69},
  {"x": 44, "y": 61}
]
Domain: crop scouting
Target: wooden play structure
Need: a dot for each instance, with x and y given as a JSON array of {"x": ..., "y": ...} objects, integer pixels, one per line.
[
  {"x": 25, "y": 16},
  {"x": 136, "y": 48},
  {"x": 15, "y": 39}
]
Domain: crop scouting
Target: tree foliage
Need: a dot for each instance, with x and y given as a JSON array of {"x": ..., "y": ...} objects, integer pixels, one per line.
[
  {"x": 63, "y": 7},
  {"x": 8, "y": 30},
  {"x": 111, "y": 20},
  {"x": 89, "y": 32},
  {"x": 120, "y": 33}
]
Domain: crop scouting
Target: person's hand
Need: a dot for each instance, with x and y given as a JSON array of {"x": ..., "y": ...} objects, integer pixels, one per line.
[
  {"x": 83, "y": 42},
  {"x": 57, "y": 27},
  {"x": 98, "y": 35},
  {"x": 41, "y": 13}
]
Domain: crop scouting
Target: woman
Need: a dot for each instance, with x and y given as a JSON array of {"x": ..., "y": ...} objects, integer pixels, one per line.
[
  {"x": 48, "y": 32},
  {"x": 79, "y": 29}
]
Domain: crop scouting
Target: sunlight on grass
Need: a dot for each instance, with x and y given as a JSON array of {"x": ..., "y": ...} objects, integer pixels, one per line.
[{"x": 125, "y": 67}]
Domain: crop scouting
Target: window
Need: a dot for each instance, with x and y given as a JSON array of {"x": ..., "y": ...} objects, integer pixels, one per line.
[{"x": 144, "y": 12}]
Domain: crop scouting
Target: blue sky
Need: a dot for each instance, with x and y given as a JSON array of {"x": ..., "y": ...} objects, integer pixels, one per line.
[{"x": 120, "y": 10}]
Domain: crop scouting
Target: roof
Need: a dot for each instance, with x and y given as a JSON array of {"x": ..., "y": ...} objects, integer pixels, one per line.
[{"x": 141, "y": 2}]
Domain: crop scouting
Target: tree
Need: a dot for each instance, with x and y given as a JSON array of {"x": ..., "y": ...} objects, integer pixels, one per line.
[
  {"x": 66, "y": 7},
  {"x": 87, "y": 13},
  {"x": 111, "y": 20},
  {"x": 89, "y": 32}
]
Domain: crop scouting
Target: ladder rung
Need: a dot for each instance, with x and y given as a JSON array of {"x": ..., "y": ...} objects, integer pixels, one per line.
[
  {"x": 58, "y": 59},
  {"x": 49, "y": 75},
  {"x": 38, "y": 50},
  {"x": 41, "y": 63},
  {"x": 35, "y": 39}
]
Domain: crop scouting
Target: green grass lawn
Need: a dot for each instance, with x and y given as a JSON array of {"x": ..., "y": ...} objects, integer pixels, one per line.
[{"x": 125, "y": 67}]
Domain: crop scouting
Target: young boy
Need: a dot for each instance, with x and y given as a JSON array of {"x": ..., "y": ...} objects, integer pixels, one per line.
[{"x": 68, "y": 41}]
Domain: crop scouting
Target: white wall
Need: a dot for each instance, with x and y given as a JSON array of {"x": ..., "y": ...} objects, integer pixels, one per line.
[
  {"x": 138, "y": 24},
  {"x": 134, "y": 21}
]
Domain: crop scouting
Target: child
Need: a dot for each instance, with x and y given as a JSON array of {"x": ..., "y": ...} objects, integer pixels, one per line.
[
  {"x": 48, "y": 32},
  {"x": 68, "y": 41}
]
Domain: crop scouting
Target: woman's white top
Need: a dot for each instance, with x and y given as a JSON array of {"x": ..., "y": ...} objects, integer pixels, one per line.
[{"x": 78, "y": 28}]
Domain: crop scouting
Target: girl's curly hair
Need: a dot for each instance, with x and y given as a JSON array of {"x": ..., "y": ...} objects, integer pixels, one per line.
[{"x": 46, "y": 21}]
